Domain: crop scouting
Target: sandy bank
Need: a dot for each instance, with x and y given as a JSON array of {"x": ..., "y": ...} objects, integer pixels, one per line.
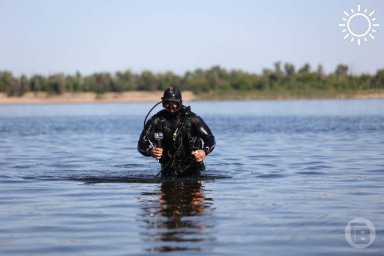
[
  {"x": 139, "y": 96},
  {"x": 88, "y": 97}
]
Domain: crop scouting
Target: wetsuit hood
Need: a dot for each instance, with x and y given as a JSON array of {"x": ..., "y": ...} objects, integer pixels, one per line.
[{"x": 172, "y": 93}]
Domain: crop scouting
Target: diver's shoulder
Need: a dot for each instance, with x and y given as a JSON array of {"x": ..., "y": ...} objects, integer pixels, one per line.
[
  {"x": 187, "y": 111},
  {"x": 195, "y": 118},
  {"x": 157, "y": 116},
  {"x": 161, "y": 113}
]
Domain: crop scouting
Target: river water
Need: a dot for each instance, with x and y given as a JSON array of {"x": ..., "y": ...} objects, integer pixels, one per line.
[{"x": 285, "y": 178}]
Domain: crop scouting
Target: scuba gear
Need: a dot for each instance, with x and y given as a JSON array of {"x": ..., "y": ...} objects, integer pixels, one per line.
[
  {"x": 182, "y": 161},
  {"x": 145, "y": 119},
  {"x": 158, "y": 139},
  {"x": 178, "y": 160},
  {"x": 172, "y": 93},
  {"x": 171, "y": 104},
  {"x": 172, "y": 99},
  {"x": 201, "y": 166},
  {"x": 178, "y": 132},
  {"x": 171, "y": 96}
]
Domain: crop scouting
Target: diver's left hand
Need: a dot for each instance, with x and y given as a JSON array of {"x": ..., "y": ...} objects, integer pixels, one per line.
[{"x": 199, "y": 155}]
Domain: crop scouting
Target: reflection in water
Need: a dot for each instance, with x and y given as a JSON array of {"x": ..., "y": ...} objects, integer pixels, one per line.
[{"x": 178, "y": 217}]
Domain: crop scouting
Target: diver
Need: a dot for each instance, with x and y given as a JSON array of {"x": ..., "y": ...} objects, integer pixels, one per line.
[{"x": 178, "y": 138}]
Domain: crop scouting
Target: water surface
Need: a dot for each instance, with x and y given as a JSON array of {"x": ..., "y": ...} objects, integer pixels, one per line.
[{"x": 285, "y": 179}]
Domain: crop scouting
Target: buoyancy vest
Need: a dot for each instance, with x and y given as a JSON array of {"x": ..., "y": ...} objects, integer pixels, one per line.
[{"x": 178, "y": 144}]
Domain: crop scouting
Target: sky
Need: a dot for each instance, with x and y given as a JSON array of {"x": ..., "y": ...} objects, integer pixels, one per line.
[{"x": 87, "y": 36}]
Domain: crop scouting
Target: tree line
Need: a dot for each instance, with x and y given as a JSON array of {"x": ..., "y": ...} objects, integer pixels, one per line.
[{"x": 282, "y": 77}]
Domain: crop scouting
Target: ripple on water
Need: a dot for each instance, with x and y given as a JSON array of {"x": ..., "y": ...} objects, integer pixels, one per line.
[{"x": 285, "y": 178}]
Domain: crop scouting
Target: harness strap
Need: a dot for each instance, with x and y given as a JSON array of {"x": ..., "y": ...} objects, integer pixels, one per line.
[{"x": 185, "y": 125}]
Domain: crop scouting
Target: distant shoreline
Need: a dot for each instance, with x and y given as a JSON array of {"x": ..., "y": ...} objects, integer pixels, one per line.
[
  {"x": 142, "y": 96},
  {"x": 88, "y": 97}
]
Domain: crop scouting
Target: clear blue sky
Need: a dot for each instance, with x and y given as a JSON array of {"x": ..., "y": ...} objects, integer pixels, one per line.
[{"x": 50, "y": 36}]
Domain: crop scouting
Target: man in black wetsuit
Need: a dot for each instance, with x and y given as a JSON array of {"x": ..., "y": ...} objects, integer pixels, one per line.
[{"x": 177, "y": 137}]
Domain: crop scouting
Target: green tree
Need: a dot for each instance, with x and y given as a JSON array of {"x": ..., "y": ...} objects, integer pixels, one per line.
[
  {"x": 125, "y": 81},
  {"x": 196, "y": 81},
  {"x": 38, "y": 83},
  {"x": 6, "y": 78},
  {"x": 10, "y": 84},
  {"x": 216, "y": 79},
  {"x": 320, "y": 72},
  {"x": 103, "y": 83},
  {"x": 305, "y": 69},
  {"x": 24, "y": 85},
  {"x": 289, "y": 69},
  {"x": 168, "y": 79},
  {"x": 378, "y": 80},
  {"x": 148, "y": 81},
  {"x": 341, "y": 70},
  {"x": 56, "y": 84}
]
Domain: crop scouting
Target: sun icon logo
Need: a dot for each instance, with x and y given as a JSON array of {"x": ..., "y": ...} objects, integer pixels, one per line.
[{"x": 359, "y": 25}]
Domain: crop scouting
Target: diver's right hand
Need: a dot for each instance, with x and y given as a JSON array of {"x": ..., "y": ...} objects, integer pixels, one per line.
[{"x": 156, "y": 153}]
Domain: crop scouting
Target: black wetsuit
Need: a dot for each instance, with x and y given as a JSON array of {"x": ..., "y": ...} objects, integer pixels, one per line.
[{"x": 183, "y": 132}]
